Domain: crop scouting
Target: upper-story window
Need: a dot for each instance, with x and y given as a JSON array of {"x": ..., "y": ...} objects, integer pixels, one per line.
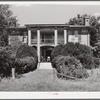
[{"x": 76, "y": 33}]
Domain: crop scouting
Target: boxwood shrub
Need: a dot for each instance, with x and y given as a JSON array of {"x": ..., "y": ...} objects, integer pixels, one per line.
[
  {"x": 68, "y": 49},
  {"x": 26, "y": 59},
  {"x": 87, "y": 61},
  {"x": 56, "y": 51},
  {"x": 76, "y": 49},
  {"x": 25, "y": 50},
  {"x": 25, "y": 65},
  {"x": 96, "y": 62},
  {"x": 69, "y": 66}
]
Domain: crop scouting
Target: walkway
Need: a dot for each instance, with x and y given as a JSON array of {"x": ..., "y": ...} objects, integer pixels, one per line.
[{"x": 45, "y": 65}]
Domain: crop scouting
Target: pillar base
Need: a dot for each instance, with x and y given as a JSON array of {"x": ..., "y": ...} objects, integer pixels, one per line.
[{"x": 38, "y": 65}]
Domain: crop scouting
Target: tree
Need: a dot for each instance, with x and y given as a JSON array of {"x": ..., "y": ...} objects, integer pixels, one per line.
[
  {"x": 7, "y": 20},
  {"x": 95, "y": 30},
  {"x": 95, "y": 34},
  {"x": 79, "y": 20}
]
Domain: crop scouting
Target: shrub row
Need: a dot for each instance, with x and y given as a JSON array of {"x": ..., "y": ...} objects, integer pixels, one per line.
[
  {"x": 71, "y": 49},
  {"x": 79, "y": 51},
  {"x": 71, "y": 52}
]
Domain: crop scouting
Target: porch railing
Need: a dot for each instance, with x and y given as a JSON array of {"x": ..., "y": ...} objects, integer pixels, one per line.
[
  {"x": 42, "y": 41},
  {"x": 46, "y": 41}
]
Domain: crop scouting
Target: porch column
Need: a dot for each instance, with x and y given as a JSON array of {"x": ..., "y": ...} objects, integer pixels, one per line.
[
  {"x": 55, "y": 37},
  {"x": 65, "y": 36},
  {"x": 29, "y": 37},
  {"x": 88, "y": 39},
  {"x": 38, "y": 45}
]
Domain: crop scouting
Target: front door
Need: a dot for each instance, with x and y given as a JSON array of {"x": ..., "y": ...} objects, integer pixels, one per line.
[{"x": 46, "y": 54}]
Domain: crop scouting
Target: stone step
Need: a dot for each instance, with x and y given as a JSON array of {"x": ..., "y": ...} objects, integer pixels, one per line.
[{"x": 45, "y": 65}]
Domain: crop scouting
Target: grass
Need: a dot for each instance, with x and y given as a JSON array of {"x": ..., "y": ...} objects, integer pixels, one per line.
[{"x": 42, "y": 80}]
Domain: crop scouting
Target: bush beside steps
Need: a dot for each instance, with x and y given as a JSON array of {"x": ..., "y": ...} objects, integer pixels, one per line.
[
  {"x": 24, "y": 61},
  {"x": 69, "y": 66},
  {"x": 78, "y": 54}
]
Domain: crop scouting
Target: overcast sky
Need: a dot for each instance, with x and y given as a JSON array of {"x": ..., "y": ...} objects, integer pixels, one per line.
[{"x": 50, "y": 14}]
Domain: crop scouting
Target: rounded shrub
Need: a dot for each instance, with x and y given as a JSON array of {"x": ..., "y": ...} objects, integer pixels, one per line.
[
  {"x": 83, "y": 49},
  {"x": 87, "y": 61},
  {"x": 25, "y": 50},
  {"x": 56, "y": 51},
  {"x": 26, "y": 59},
  {"x": 68, "y": 49},
  {"x": 69, "y": 66},
  {"x": 71, "y": 49},
  {"x": 12, "y": 49},
  {"x": 25, "y": 65}
]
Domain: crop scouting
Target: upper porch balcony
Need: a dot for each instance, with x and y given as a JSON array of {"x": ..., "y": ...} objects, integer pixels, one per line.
[{"x": 47, "y": 41}]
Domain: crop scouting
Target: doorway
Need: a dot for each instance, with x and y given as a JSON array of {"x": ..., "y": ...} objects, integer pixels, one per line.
[{"x": 46, "y": 53}]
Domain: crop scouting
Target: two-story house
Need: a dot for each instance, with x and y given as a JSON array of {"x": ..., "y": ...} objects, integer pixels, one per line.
[{"x": 44, "y": 37}]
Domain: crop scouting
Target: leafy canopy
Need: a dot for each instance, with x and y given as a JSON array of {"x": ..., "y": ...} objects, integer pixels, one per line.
[{"x": 7, "y": 20}]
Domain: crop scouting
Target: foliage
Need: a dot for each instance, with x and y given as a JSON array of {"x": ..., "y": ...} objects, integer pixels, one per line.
[
  {"x": 25, "y": 65},
  {"x": 83, "y": 49},
  {"x": 76, "y": 49},
  {"x": 96, "y": 62},
  {"x": 68, "y": 49},
  {"x": 5, "y": 64},
  {"x": 80, "y": 52},
  {"x": 12, "y": 49},
  {"x": 96, "y": 50},
  {"x": 78, "y": 20},
  {"x": 6, "y": 20},
  {"x": 87, "y": 61},
  {"x": 25, "y": 50},
  {"x": 69, "y": 66},
  {"x": 26, "y": 59},
  {"x": 94, "y": 24},
  {"x": 56, "y": 51},
  {"x": 22, "y": 64}
]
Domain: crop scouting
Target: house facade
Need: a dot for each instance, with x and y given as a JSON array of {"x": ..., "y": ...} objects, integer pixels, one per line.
[{"x": 44, "y": 37}]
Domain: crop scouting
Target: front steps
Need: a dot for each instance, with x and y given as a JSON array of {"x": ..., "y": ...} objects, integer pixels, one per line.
[{"x": 45, "y": 65}]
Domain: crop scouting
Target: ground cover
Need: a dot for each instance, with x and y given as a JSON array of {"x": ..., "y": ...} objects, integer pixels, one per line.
[{"x": 43, "y": 80}]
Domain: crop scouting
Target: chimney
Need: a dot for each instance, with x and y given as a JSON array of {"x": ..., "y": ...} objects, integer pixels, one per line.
[
  {"x": 86, "y": 21},
  {"x": 78, "y": 15}
]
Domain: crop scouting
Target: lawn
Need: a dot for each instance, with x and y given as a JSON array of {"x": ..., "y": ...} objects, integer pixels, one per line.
[{"x": 42, "y": 80}]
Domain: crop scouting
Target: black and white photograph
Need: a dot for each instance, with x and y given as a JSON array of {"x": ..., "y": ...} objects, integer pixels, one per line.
[{"x": 50, "y": 47}]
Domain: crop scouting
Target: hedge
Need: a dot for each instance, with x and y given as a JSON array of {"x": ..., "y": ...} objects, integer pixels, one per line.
[{"x": 79, "y": 51}]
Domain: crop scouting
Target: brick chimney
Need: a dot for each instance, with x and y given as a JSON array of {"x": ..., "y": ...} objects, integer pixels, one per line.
[
  {"x": 78, "y": 15},
  {"x": 86, "y": 21}
]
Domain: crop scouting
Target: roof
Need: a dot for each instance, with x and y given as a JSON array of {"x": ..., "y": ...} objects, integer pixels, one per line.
[
  {"x": 55, "y": 26},
  {"x": 45, "y": 25}
]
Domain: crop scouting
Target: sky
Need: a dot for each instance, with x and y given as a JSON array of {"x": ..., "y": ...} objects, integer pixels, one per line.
[{"x": 50, "y": 13}]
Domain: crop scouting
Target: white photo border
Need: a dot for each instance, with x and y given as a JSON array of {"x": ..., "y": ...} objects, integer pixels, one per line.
[{"x": 50, "y": 95}]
